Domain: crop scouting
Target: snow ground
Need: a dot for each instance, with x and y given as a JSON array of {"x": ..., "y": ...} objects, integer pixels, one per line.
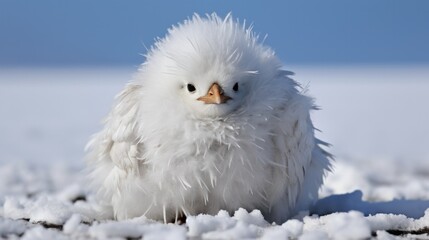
[{"x": 376, "y": 119}]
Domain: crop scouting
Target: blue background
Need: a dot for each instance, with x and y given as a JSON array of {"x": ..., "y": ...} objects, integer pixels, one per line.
[{"x": 107, "y": 32}]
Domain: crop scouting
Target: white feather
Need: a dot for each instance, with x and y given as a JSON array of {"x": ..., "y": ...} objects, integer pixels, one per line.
[{"x": 162, "y": 150}]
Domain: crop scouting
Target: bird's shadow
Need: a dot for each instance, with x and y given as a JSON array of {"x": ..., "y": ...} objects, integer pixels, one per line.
[{"x": 353, "y": 201}]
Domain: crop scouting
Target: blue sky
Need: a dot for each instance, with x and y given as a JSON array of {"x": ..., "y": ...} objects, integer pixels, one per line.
[{"x": 108, "y": 32}]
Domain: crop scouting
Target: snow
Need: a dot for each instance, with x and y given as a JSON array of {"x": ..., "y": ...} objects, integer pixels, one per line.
[
  {"x": 376, "y": 119},
  {"x": 137, "y": 228},
  {"x": 348, "y": 225},
  {"x": 11, "y": 227},
  {"x": 73, "y": 224}
]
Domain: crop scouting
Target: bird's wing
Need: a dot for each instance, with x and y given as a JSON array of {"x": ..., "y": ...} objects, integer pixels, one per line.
[
  {"x": 294, "y": 143},
  {"x": 118, "y": 143}
]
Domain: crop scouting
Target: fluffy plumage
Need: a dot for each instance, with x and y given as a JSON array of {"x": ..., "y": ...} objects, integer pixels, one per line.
[{"x": 166, "y": 150}]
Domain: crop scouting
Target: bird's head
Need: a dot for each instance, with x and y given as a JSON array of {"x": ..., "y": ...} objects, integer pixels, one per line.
[
  {"x": 209, "y": 68},
  {"x": 215, "y": 94}
]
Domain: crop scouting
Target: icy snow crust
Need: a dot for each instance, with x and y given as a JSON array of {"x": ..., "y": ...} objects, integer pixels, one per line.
[
  {"x": 64, "y": 212},
  {"x": 45, "y": 124}
]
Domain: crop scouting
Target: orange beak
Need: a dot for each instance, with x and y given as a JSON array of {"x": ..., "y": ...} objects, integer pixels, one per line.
[{"x": 215, "y": 95}]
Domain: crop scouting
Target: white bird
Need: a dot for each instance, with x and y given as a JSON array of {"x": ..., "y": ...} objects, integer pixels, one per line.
[{"x": 211, "y": 121}]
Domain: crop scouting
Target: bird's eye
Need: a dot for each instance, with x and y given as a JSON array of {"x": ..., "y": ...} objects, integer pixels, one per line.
[
  {"x": 235, "y": 87},
  {"x": 191, "y": 88}
]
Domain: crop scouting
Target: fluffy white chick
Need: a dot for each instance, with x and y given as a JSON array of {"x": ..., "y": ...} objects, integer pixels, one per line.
[{"x": 210, "y": 122}]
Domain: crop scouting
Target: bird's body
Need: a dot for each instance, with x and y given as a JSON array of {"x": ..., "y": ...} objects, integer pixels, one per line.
[{"x": 210, "y": 122}]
